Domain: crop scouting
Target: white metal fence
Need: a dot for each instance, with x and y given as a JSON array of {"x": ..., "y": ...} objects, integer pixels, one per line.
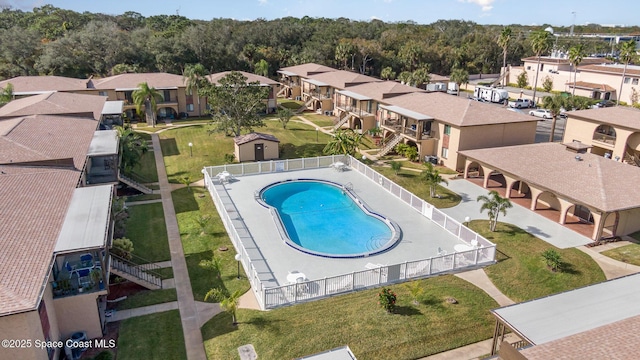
[{"x": 482, "y": 252}]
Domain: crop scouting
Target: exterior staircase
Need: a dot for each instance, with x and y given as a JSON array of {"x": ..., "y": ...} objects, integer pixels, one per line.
[
  {"x": 141, "y": 274},
  {"x": 631, "y": 157},
  {"x": 305, "y": 106},
  {"x": 134, "y": 184},
  {"x": 281, "y": 92},
  {"x": 344, "y": 117},
  {"x": 499, "y": 80},
  {"x": 395, "y": 140}
]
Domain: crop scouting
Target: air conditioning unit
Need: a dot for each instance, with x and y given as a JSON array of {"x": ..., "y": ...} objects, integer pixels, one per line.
[
  {"x": 328, "y": 113},
  {"x": 298, "y": 98}
]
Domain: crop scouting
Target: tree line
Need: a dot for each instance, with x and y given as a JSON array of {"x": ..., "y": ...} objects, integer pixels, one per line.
[{"x": 55, "y": 41}]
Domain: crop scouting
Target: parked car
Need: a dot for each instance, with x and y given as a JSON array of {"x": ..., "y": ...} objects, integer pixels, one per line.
[
  {"x": 542, "y": 113},
  {"x": 522, "y": 103},
  {"x": 603, "y": 104}
]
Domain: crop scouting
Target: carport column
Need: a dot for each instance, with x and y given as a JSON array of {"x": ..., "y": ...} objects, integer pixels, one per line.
[
  {"x": 598, "y": 222},
  {"x": 535, "y": 194},
  {"x": 564, "y": 209},
  {"x": 487, "y": 174},
  {"x": 510, "y": 181}
]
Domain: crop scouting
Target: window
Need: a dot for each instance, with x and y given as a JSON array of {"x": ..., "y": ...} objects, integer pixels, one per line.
[
  {"x": 627, "y": 80},
  {"x": 445, "y": 153},
  {"x": 103, "y": 93},
  {"x": 447, "y": 129},
  {"x": 634, "y": 81},
  {"x": 529, "y": 67},
  {"x": 189, "y": 107}
]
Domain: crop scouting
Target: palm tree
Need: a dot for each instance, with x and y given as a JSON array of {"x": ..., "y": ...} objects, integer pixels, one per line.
[
  {"x": 195, "y": 78},
  {"x": 554, "y": 104},
  {"x": 261, "y": 67},
  {"x": 132, "y": 147},
  {"x": 540, "y": 43},
  {"x": 387, "y": 73},
  {"x": 576, "y": 54},
  {"x": 148, "y": 97},
  {"x": 503, "y": 42},
  {"x": 459, "y": 76},
  {"x": 228, "y": 302},
  {"x": 495, "y": 204},
  {"x": 344, "y": 142},
  {"x": 627, "y": 53},
  {"x": 432, "y": 177},
  {"x": 6, "y": 94}
]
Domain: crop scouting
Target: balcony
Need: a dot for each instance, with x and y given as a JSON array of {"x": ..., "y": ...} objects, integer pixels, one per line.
[
  {"x": 354, "y": 110},
  {"x": 605, "y": 139},
  {"x": 102, "y": 170},
  {"x": 79, "y": 273}
]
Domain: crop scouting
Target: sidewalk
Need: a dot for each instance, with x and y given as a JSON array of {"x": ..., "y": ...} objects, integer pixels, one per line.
[
  {"x": 188, "y": 311},
  {"x": 141, "y": 311}
]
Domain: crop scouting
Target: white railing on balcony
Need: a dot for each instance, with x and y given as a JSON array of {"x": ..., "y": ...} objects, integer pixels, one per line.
[{"x": 271, "y": 295}]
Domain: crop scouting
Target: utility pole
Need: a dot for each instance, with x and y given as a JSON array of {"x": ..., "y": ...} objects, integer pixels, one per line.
[{"x": 572, "y": 23}]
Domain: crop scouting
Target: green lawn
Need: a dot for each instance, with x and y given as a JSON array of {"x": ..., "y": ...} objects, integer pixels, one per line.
[
  {"x": 161, "y": 126},
  {"x": 148, "y": 297},
  {"x": 629, "y": 254},
  {"x": 298, "y": 140},
  {"x": 411, "y": 181},
  {"x": 291, "y": 104},
  {"x": 147, "y": 230},
  {"x": 356, "y": 320},
  {"x": 143, "y": 197},
  {"x": 319, "y": 120},
  {"x": 156, "y": 336},
  {"x": 522, "y": 274},
  {"x": 145, "y": 171},
  {"x": 198, "y": 247},
  {"x": 420, "y": 166}
]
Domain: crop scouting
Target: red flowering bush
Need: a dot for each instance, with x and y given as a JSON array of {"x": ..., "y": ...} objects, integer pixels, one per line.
[{"x": 387, "y": 299}]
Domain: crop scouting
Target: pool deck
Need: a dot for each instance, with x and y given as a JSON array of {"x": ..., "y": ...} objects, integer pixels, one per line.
[{"x": 420, "y": 239}]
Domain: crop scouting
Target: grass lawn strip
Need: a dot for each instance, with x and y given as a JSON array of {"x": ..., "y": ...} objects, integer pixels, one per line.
[
  {"x": 147, "y": 230},
  {"x": 197, "y": 246},
  {"x": 357, "y": 320},
  {"x": 147, "y": 298},
  {"x": 521, "y": 272},
  {"x": 319, "y": 120},
  {"x": 629, "y": 254},
  {"x": 152, "y": 337},
  {"x": 145, "y": 171},
  {"x": 411, "y": 181}
]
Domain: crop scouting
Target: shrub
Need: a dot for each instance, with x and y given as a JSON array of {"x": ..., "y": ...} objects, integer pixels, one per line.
[
  {"x": 553, "y": 259},
  {"x": 523, "y": 80},
  {"x": 229, "y": 158},
  {"x": 122, "y": 247},
  {"x": 547, "y": 84},
  {"x": 387, "y": 299},
  {"x": 395, "y": 166}
]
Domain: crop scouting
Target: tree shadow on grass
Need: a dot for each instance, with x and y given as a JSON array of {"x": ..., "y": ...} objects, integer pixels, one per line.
[
  {"x": 202, "y": 279},
  {"x": 407, "y": 311},
  {"x": 169, "y": 147},
  {"x": 184, "y": 200},
  {"x": 432, "y": 302},
  {"x": 219, "y": 325},
  {"x": 262, "y": 324},
  {"x": 568, "y": 268},
  {"x": 290, "y": 151}
]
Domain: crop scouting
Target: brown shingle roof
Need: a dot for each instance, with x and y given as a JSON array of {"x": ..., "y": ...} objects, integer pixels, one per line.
[
  {"x": 46, "y": 137},
  {"x": 382, "y": 90},
  {"x": 131, "y": 81},
  {"x": 250, "y": 78},
  {"x": 305, "y": 70},
  {"x": 600, "y": 183},
  {"x": 28, "y": 84},
  {"x": 341, "y": 79},
  {"x": 622, "y": 116},
  {"x": 613, "y": 69},
  {"x": 590, "y": 86},
  {"x": 618, "y": 340},
  {"x": 457, "y": 111},
  {"x": 33, "y": 204},
  {"x": 55, "y": 103},
  {"x": 243, "y": 139}
]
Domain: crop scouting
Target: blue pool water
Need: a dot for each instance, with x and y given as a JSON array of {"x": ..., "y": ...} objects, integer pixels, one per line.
[{"x": 323, "y": 219}]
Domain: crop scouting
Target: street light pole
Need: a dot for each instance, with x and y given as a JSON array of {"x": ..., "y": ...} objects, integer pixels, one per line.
[
  {"x": 190, "y": 149},
  {"x": 238, "y": 258}
]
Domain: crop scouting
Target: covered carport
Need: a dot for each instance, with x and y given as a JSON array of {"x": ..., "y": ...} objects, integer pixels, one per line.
[
  {"x": 587, "y": 193},
  {"x": 599, "y": 321}
]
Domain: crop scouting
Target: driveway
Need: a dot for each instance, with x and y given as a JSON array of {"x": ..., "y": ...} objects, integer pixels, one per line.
[{"x": 545, "y": 229}]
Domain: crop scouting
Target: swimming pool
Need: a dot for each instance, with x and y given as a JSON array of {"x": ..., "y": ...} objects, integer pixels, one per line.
[{"x": 327, "y": 219}]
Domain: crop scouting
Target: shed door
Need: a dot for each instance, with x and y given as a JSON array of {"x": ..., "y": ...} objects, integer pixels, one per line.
[{"x": 258, "y": 150}]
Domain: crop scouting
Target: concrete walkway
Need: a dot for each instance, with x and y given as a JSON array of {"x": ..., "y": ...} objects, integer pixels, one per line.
[
  {"x": 535, "y": 224},
  {"x": 480, "y": 279},
  {"x": 612, "y": 268},
  {"x": 186, "y": 304},
  {"x": 144, "y": 202},
  {"x": 141, "y": 311}
]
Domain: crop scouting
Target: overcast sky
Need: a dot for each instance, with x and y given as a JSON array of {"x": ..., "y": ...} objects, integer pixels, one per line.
[{"x": 554, "y": 12}]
